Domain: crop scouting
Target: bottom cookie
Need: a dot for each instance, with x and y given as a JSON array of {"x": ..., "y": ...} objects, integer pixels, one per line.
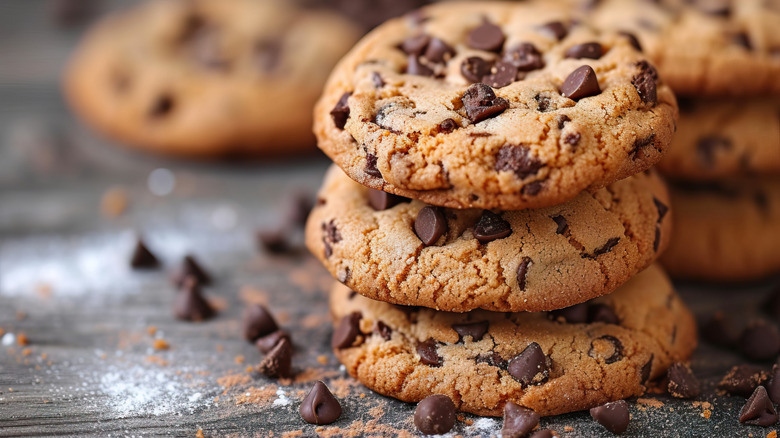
[
  {"x": 551, "y": 362},
  {"x": 725, "y": 232}
]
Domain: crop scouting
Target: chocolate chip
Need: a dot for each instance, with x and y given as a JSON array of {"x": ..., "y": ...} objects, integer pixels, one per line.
[
  {"x": 474, "y": 329},
  {"x": 191, "y": 268},
  {"x": 491, "y": 227},
  {"x": 376, "y": 78},
  {"x": 278, "y": 361},
  {"x": 189, "y": 304},
  {"x": 319, "y": 406},
  {"x": 632, "y": 39},
  {"x": 758, "y": 410},
  {"x": 563, "y": 120},
  {"x": 742, "y": 39},
  {"x": 708, "y": 146},
  {"x": 606, "y": 347},
  {"x": 428, "y": 354},
  {"x": 640, "y": 144},
  {"x": 268, "y": 342},
  {"x": 645, "y": 82},
  {"x": 438, "y": 51},
  {"x": 613, "y": 416},
  {"x": 384, "y": 330},
  {"x": 602, "y": 313},
  {"x": 576, "y": 314},
  {"x": 742, "y": 380},
  {"x": 415, "y": 67},
  {"x": 682, "y": 382},
  {"x": 330, "y": 236},
  {"x": 720, "y": 330},
  {"x": 415, "y": 45},
  {"x": 518, "y": 421},
  {"x": 525, "y": 57},
  {"x": 143, "y": 258},
  {"x": 760, "y": 341},
  {"x": 646, "y": 370},
  {"x": 544, "y": 103},
  {"x": 773, "y": 385},
  {"x": 661, "y": 207},
  {"x": 584, "y": 50},
  {"x": 343, "y": 276},
  {"x": 522, "y": 271},
  {"x": 530, "y": 366},
  {"x": 582, "y": 82},
  {"x": 502, "y": 74},
  {"x": 447, "y": 126},
  {"x": 475, "y": 68},
  {"x": 607, "y": 247},
  {"x": 482, "y": 103},
  {"x": 258, "y": 322},
  {"x": 430, "y": 225},
  {"x": 487, "y": 36},
  {"x": 563, "y": 226},
  {"x": 205, "y": 48},
  {"x": 517, "y": 159},
  {"x": 161, "y": 106},
  {"x": 347, "y": 331},
  {"x": 555, "y": 29},
  {"x": 340, "y": 112},
  {"x": 275, "y": 241},
  {"x": 532, "y": 188},
  {"x": 493, "y": 359},
  {"x": 380, "y": 200},
  {"x": 371, "y": 168},
  {"x": 435, "y": 415},
  {"x": 572, "y": 139}
]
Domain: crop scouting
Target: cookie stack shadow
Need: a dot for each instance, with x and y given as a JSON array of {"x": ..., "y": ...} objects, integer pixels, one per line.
[{"x": 490, "y": 269}]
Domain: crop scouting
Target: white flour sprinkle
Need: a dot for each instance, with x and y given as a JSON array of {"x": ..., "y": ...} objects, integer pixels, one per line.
[
  {"x": 9, "y": 339},
  {"x": 282, "y": 399}
]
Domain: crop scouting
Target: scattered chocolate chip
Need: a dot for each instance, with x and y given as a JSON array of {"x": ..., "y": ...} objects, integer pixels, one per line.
[
  {"x": 563, "y": 226},
  {"x": 582, "y": 82},
  {"x": 384, "y": 330},
  {"x": 708, "y": 146},
  {"x": 576, "y": 314},
  {"x": 267, "y": 54},
  {"x": 682, "y": 382},
  {"x": 258, "y": 322},
  {"x": 278, "y": 361},
  {"x": 720, "y": 330},
  {"x": 613, "y": 416},
  {"x": 647, "y": 369},
  {"x": 602, "y": 313},
  {"x": 758, "y": 410},
  {"x": 632, "y": 39},
  {"x": 522, "y": 271},
  {"x": 376, "y": 78},
  {"x": 428, "y": 354},
  {"x": 501, "y": 74},
  {"x": 606, "y": 347},
  {"x": 191, "y": 268},
  {"x": 371, "y": 168},
  {"x": 518, "y": 421},
  {"x": 340, "y": 112},
  {"x": 487, "y": 36},
  {"x": 447, "y": 126},
  {"x": 474, "y": 329},
  {"x": 347, "y": 332},
  {"x": 482, "y": 103},
  {"x": 438, "y": 51},
  {"x": 319, "y": 406},
  {"x": 743, "y": 379},
  {"x": 760, "y": 341},
  {"x": 525, "y": 57},
  {"x": 773, "y": 384},
  {"x": 645, "y": 82},
  {"x": 430, "y": 225},
  {"x": 530, "y": 366},
  {"x": 435, "y": 415},
  {"x": 584, "y": 50},
  {"x": 475, "y": 68},
  {"x": 143, "y": 258},
  {"x": 415, "y": 45},
  {"x": 189, "y": 304},
  {"x": 268, "y": 342},
  {"x": 490, "y": 227},
  {"x": 493, "y": 359},
  {"x": 380, "y": 200},
  {"x": 275, "y": 241},
  {"x": 415, "y": 67},
  {"x": 162, "y": 106},
  {"x": 517, "y": 159},
  {"x": 555, "y": 29}
]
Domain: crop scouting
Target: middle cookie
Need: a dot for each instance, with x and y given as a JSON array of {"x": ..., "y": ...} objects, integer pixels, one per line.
[{"x": 402, "y": 251}]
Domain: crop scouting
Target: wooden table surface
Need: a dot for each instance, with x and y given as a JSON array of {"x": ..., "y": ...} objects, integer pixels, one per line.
[{"x": 90, "y": 368}]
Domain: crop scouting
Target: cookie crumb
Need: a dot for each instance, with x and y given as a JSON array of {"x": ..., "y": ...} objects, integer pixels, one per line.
[
  {"x": 152, "y": 330},
  {"x": 157, "y": 360},
  {"x": 21, "y": 339},
  {"x": 161, "y": 344},
  {"x": 706, "y": 414},
  {"x": 651, "y": 402},
  {"x": 114, "y": 202},
  {"x": 772, "y": 434},
  {"x": 26, "y": 352},
  {"x": 239, "y": 359},
  {"x": 322, "y": 359},
  {"x": 199, "y": 434},
  {"x": 21, "y": 316},
  {"x": 568, "y": 429}
]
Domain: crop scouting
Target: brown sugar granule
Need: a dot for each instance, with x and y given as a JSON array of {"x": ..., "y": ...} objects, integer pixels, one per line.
[
  {"x": 22, "y": 340},
  {"x": 199, "y": 434},
  {"x": 232, "y": 380},
  {"x": 651, "y": 402},
  {"x": 322, "y": 359},
  {"x": 239, "y": 359},
  {"x": 114, "y": 202},
  {"x": 257, "y": 396},
  {"x": 161, "y": 344}
]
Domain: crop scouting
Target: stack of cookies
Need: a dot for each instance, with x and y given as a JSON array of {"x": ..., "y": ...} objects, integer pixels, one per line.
[
  {"x": 491, "y": 220},
  {"x": 723, "y": 58}
]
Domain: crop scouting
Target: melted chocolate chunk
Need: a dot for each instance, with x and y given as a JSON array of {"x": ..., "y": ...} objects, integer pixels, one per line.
[
  {"x": 608, "y": 348},
  {"x": 517, "y": 159},
  {"x": 531, "y": 366},
  {"x": 474, "y": 329},
  {"x": 491, "y": 227},
  {"x": 645, "y": 83},
  {"x": 428, "y": 354},
  {"x": 482, "y": 103},
  {"x": 340, "y": 112}
]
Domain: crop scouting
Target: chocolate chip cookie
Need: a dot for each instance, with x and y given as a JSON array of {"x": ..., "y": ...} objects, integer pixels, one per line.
[
  {"x": 403, "y": 251},
  {"x": 725, "y": 231},
  {"x": 493, "y": 105},
  {"x": 719, "y": 138},
  {"x": 208, "y": 78},
  {"x": 701, "y": 47},
  {"x": 601, "y": 351}
]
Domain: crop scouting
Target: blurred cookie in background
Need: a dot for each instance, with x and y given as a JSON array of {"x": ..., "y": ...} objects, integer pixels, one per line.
[
  {"x": 369, "y": 13},
  {"x": 208, "y": 78}
]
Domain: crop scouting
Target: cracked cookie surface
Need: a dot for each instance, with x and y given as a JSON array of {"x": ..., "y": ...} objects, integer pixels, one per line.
[
  {"x": 482, "y": 359},
  {"x": 207, "y": 78},
  {"x": 493, "y": 105},
  {"x": 725, "y": 231},
  {"x": 401, "y": 251}
]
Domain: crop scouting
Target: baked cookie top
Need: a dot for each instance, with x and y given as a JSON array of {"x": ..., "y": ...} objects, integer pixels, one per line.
[
  {"x": 701, "y": 47},
  {"x": 207, "y": 77},
  {"x": 603, "y": 350},
  {"x": 493, "y": 105},
  {"x": 401, "y": 251}
]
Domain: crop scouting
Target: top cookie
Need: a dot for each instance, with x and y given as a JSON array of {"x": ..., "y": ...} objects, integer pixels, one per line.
[
  {"x": 493, "y": 105},
  {"x": 208, "y": 77},
  {"x": 702, "y": 47}
]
